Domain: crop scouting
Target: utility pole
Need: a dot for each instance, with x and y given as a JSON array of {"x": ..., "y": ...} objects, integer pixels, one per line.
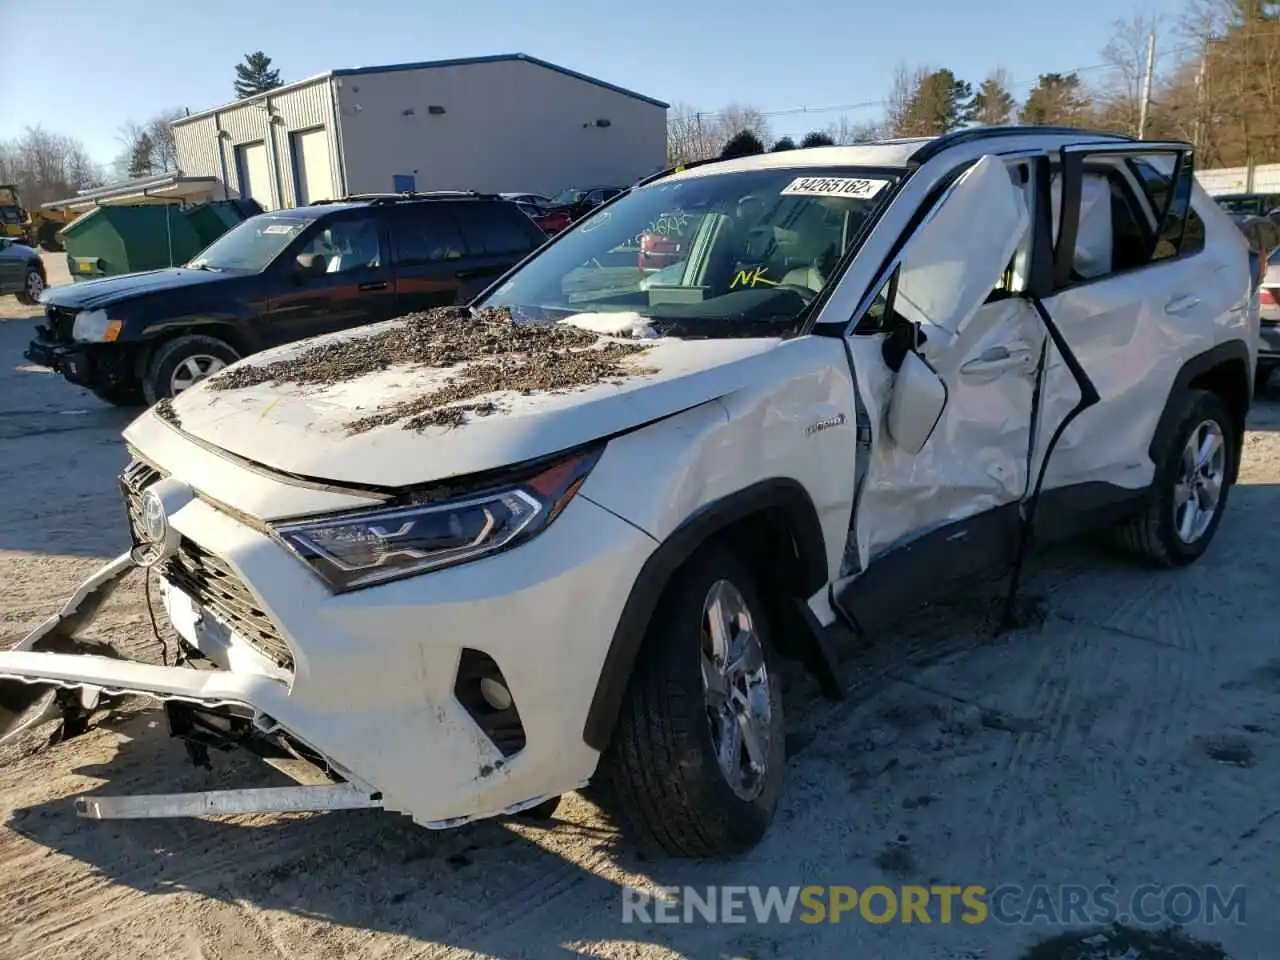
[
  {"x": 1200, "y": 99},
  {"x": 1146, "y": 85},
  {"x": 702, "y": 143}
]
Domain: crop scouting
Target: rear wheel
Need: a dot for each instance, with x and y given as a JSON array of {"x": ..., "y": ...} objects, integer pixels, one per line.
[
  {"x": 32, "y": 286},
  {"x": 183, "y": 362},
  {"x": 698, "y": 759},
  {"x": 1191, "y": 485}
]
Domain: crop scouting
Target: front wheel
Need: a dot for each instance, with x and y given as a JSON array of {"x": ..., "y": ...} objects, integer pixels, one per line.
[
  {"x": 698, "y": 759},
  {"x": 1191, "y": 484},
  {"x": 182, "y": 363}
]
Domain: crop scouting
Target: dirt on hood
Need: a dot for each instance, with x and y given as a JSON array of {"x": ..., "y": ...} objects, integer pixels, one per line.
[{"x": 498, "y": 355}]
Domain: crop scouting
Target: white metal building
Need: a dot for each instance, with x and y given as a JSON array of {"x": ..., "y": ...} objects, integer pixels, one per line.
[{"x": 509, "y": 123}]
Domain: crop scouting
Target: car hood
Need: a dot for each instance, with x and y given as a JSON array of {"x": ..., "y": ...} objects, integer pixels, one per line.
[
  {"x": 93, "y": 294},
  {"x": 302, "y": 430}
]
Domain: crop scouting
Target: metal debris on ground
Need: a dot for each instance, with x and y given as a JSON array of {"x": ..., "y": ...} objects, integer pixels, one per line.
[{"x": 499, "y": 355}]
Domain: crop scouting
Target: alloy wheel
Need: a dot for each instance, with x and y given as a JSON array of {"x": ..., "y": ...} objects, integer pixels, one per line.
[
  {"x": 1197, "y": 492},
  {"x": 735, "y": 684},
  {"x": 35, "y": 285},
  {"x": 192, "y": 370}
]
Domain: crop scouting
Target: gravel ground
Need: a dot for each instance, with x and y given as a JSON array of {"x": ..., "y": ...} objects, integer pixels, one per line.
[{"x": 1128, "y": 738}]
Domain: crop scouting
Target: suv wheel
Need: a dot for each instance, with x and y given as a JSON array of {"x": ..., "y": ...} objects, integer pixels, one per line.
[
  {"x": 32, "y": 286},
  {"x": 183, "y": 362},
  {"x": 1192, "y": 481},
  {"x": 697, "y": 762}
]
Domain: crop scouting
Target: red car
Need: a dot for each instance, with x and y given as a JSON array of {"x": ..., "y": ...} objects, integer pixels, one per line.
[{"x": 549, "y": 221}]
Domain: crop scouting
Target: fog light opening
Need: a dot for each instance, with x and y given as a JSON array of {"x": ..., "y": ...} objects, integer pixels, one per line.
[{"x": 495, "y": 694}]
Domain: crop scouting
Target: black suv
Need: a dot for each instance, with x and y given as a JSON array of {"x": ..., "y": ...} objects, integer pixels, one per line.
[{"x": 274, "y": 279}]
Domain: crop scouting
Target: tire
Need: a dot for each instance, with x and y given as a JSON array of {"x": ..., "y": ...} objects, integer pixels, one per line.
[
  {"x": 120, "y": 395},
  {"x": 660, "y": 773},
  {"x": 184, "y": 355},
  {"x": 32, "y": 286},
  {"x": 1153, "y": 535},
  {"x": 47, "y": 236}
]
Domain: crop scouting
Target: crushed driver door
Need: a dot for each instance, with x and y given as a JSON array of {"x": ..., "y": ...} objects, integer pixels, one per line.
[{"x": 947, "y": 361}]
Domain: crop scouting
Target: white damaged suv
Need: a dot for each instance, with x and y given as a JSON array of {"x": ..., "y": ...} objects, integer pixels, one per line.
[{"x": 465, "y": 562}]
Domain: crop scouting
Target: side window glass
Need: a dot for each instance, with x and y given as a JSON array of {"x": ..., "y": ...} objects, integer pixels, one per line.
[
  {"x": 427, "y": 235},
  {"x": 490, "y": 232},
  {"x": 1014, "y": 279},
  {"x": 348, "y": 245},
  {"x": 1171, "y": 203}
]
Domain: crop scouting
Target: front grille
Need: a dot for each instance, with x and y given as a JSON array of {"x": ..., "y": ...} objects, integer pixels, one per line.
[
  {"x": 59, "y": 321},
  {"x": 208, "y": 580},
  {"x": 211, "y": 583}
]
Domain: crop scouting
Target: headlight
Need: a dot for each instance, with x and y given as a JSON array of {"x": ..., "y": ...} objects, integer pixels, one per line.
[
  {"x": 357, "y": 550},
  {"x": 92, "y": 326}
]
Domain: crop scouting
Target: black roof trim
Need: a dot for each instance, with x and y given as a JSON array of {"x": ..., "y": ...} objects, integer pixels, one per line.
[
  {"x": 974, "y": 134},
  {"x": 380, "y": 199}
]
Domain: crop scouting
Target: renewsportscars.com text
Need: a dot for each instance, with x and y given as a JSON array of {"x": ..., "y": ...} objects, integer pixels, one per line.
[{"x": 1148, "y": 905}]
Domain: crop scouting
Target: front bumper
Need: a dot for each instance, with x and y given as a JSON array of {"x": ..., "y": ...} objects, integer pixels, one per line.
[
  {"x": 1269, "y": 343},
  {"x": 373, "y": 678},
  {"x": 84, "y": 364}
]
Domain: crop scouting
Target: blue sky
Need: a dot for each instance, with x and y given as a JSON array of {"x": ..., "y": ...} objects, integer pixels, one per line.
[{"x": 128, "y": 59}]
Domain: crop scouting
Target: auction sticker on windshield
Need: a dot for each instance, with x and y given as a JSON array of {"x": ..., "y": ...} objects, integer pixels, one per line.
[{"x": 858, "y": 188}]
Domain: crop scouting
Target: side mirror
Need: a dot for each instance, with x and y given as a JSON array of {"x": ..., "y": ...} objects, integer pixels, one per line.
[
  {"x": 919, "y": 397},
  {"x": 311, "y": 265}
]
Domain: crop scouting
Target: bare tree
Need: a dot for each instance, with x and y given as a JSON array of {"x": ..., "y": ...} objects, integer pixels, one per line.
[
  {"x": 845, "y": 131},
  {"x": 1119, "y": 101},
  {"x": 46, "y": 166},
  {"x": 164, "y": 152},
  {"x": 737, "y": 117},
  {"x": 691, "y": 135}
]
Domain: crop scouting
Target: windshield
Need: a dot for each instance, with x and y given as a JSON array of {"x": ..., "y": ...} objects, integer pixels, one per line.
[
  {"x": 711, "y": 255},
  {"x": 251, "y": 245}
]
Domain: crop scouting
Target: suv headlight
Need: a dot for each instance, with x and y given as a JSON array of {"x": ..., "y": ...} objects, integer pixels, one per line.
[
  {"x": 93, "y": 326},
  {"x": 355, "y": 550}
]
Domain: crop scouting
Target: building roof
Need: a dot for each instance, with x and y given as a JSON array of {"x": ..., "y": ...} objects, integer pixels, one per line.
[{"x": 423, "y": 65}]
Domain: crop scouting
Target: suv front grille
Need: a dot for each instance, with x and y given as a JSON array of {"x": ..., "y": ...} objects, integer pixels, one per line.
[
  {"x": 208, "y": 580},
  {"x": 59, "y": 321},
  {"x": 211, "y": 583}
]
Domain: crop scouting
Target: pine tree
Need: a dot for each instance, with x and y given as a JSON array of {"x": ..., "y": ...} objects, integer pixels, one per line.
[
  {"x": 141, "y": 159},
  {"x": 993, "y": 103},
  {"x": 786, "y": 143},
  {"x": 255, "y": 75},
  {"x": 744, "y": 144},
  {"x": 816, "y": 138}
]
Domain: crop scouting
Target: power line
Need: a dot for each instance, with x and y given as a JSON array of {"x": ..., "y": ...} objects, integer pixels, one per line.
[{"x": 705, "y": 115}]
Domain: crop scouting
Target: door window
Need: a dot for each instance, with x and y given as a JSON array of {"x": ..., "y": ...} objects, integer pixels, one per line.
[
  {"x": 427, "y": 235},
  {"x": 498, "y": 231},
  {"x": 347, "y": 245}
]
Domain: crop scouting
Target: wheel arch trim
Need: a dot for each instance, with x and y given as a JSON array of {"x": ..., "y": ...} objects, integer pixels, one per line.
[
  {"x": 777, "y": 494},
  {"x": 1227, "y": 353}
]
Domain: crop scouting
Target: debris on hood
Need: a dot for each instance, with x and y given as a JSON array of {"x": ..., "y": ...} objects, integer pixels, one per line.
[
  {"x": 165, "y": 411},
  {"x": 493, "y": 353}
]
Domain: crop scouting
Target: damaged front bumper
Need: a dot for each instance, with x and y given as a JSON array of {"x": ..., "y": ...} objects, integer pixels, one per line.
[{"x": 374, "y": 689}]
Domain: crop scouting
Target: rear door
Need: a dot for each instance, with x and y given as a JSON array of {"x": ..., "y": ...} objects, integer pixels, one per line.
[
  {"x": 1135, "y": 293},
  {"x": 354, "y": 289},
  {"x": 429, "y": 253},
  {"x": 498, "y": 236},
  {"x": 13, "y": 267}
]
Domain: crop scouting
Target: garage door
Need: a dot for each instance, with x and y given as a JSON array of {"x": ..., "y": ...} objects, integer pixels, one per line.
[
  {"x": 255, "y": 175},
  {"x": 312, "y": 172}
]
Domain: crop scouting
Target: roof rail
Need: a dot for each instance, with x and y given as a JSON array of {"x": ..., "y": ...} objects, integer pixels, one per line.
[
  {"x": 408, "y": 196},
  {"x": 972, "y": 134}
]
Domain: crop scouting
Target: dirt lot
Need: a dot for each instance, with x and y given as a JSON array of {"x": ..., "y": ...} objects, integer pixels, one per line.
[{"x": 1131, "y": 738}]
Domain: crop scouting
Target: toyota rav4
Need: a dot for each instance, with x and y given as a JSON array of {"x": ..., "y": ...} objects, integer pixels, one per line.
[{"x": 457, "y": 565}]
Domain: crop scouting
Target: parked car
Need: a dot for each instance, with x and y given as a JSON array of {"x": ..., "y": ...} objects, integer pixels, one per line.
[
  {"x": 533, "y": 199},
  {"x": 21, "y": 271},
  {"x": 578, "y": 203},
  {"x": 549, "y": 221},
  {"x": 461, "y": 600},
  {"x": 1257, "y": 204},
  {"x": 1269, "y": 309},
  {"x": 273, "y": 279}
]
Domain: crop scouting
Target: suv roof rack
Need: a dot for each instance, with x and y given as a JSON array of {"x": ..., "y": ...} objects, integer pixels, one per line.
[
  {"x": 378, "y": 199},
  {"x": 935, "y": 146}
]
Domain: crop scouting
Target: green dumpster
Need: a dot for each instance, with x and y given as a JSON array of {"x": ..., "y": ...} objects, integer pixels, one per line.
[{"x": 116, "y": 239}]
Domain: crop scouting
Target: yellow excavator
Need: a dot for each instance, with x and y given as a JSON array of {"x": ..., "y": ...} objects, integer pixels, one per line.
[{"x": 38, "y": 229}]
